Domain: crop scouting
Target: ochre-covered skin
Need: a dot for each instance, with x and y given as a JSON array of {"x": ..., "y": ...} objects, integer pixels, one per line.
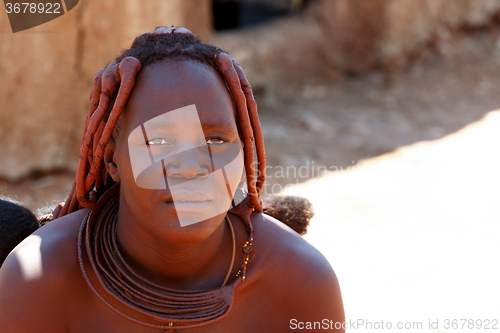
[{"x": 91, "y": 178}]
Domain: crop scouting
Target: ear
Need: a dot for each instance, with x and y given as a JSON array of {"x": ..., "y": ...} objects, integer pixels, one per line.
[{"x": 110, "y": 160}]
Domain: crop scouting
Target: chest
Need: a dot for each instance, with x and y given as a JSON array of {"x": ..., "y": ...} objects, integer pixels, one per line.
[{"x": 252, "y": 311}]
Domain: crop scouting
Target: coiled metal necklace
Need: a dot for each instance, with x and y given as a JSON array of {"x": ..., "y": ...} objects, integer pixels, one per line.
[{"x": 175, "y": 309}]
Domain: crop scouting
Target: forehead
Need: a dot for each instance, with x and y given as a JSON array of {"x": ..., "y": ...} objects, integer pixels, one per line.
[{"x": 171, "y": 85}]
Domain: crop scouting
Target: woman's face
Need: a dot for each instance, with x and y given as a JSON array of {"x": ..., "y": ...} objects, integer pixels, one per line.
[{"x": 179, "y": 155}]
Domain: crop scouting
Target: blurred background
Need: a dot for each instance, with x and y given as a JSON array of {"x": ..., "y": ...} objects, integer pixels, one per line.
[{"x": 381, "y": 112}]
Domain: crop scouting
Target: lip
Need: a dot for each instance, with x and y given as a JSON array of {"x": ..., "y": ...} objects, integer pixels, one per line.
[
  {"x": 183, "y": 195},
  {"x": 190, "y": 206},
  {"x": 189, "y": 201}
]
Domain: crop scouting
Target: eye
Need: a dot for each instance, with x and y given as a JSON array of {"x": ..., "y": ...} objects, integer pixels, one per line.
[
  {"x": 158, "y": 142},
  {"x": 215, "y": 141}
]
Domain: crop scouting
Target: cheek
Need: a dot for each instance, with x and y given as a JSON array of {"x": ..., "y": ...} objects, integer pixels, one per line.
[
  {"x": 133, "y": 193},
  {"x": 140, "y": 198},
  {"x": 123, "y": 163}
]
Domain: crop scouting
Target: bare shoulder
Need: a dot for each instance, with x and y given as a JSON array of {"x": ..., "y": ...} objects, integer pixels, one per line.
[
  {"x": 282, "y": 245},
  {"x": 34, "y": 279},
  {"x": 302, "y": 281}
]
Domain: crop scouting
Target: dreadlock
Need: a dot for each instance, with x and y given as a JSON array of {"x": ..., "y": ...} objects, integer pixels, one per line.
[{"x": 109, "y": 95}]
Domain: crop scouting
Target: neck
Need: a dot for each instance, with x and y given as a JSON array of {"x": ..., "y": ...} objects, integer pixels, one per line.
[{"x": 171, "y": 263}]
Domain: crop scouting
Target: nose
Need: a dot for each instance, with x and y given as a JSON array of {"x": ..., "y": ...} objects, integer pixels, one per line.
[{"x": 189, "y": 164}]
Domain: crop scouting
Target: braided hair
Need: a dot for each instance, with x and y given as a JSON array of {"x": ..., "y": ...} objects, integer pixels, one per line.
[{"x": 109, "y": 95}]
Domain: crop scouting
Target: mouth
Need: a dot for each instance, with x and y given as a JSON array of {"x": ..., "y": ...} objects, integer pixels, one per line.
[
  {"x": 189, "y": 206},
  {"x": 189, "y": 201}
]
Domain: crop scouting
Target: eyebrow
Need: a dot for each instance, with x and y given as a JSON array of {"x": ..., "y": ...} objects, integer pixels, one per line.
[
  {"x": 157, "y": 125},
  {"x": 224, "y": 126}
]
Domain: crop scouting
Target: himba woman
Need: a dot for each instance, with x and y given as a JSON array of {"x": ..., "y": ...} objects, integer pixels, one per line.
[{"x": 158, "y": 233}]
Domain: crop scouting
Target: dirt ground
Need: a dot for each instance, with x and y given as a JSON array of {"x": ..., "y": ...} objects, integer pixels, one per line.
[
  {"x": 414, "y": 235},
  {"x": 448, "y": 86},
  {"x": 453, "y": 83}
]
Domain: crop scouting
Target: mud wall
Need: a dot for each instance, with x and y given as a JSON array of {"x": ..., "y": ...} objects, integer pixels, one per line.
[
  {"x": 46, "y": 74},
  {"x": 337, "y": 36}
]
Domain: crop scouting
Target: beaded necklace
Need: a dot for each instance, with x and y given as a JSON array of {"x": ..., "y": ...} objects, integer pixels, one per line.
[{"x": 177, "y": 309}]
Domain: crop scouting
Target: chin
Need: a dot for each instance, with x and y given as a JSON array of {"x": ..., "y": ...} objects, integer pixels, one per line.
[
  {"x": 170, "y": 229},
  {"x": 200, "y": 231}
]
